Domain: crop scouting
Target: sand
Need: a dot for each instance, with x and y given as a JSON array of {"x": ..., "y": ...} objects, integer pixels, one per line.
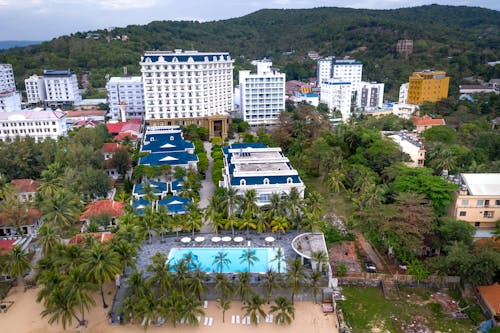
[{"x": 24, "y": 317}]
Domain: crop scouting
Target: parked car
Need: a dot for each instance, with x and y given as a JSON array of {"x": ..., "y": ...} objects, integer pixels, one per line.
[{"x": 370, "y": 267}]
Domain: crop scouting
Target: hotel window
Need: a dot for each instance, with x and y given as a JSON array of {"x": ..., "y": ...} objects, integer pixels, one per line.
[
  {"x": 243, "y": 182},
  {"x": 465, "y": 202},
  {"x": 480, "y": 203},
  {"x": 489, "y": 214},
  {"x": 266, "y": 181},
  {"x": 497, "y": 202},
  {"x": 463, "y": 213}
]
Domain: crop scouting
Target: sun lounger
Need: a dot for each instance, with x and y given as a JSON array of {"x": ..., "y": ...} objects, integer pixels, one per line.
[
  {"x": 233, "y": 319},
  {"x": 144, "y": 321},
  {"x": 271, "y": 318},
  {"x": 205, "y": 305},
  {"x": 244, "y": 321},
  {"x": 258, "y": 319},
  {"x": 248, "y": 320},
  {"x": 210, "y": 321},
  {"x": 206, "y": 321},
  {"x": 198, "y": 318},
  {"x": 237, "y": 319}
]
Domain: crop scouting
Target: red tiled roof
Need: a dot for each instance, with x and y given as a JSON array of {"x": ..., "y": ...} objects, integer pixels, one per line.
[
  {"x": 110, "y": 147},
  {"x": 131, "y": 125},
  {"x": 100, "y": 236},
  {"x": 99, "y": 207},
  {"x": 86, "y": 113},
  {"x": 427, "y": 120},
  {"x": 33, "y": 216},
  {"x": 25, "y": 185},
  {"x": 91, "y": 123},
  {"x": 491, "y": 295},
  {"x": 122, "y": 135},
  {"x": 6, "y": 245}
]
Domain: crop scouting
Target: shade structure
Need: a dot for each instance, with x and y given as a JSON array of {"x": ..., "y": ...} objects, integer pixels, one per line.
[
  {"x": 269, "y": 239},
  {"x": 226, "y": 239},
  {"x": 199, "y": 239},
  {"x": 238, "y": 239},
  {"x": 216, "y": 239},
  {"x": 185, "y": 239}
]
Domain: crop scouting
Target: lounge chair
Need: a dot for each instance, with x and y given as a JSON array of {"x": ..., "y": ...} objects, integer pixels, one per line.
[
  {"x": 205, "y": 305},
  {"x": 198, "y": 319},
  {"x": 237, "y": 319},
  {"x": 233, "y": 319},
  {"x": 206, "y": 321},
  {"x": 244, "y": 321},
  {"x": 210, "y": 321},
  {"x": 271, "y": 319}
]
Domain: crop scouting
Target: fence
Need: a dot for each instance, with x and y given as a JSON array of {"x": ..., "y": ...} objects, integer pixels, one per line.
[{"x": 374, "y": 280}]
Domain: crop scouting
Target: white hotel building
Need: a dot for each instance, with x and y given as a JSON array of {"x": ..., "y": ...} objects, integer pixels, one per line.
[
  {"x": 127, "y": 92},
  {"x": 191, "y": 87},
  {"x": 348, "y": 70},
  {"x": 337, "y": 94},
  {"x": 36, "y": 124},
  {"x": 370, "y": 95},
  {"x": 262, "y": 94},
  {"x": 35, "y": 89},
  {"x": 10, "y": 98},
  {"x": 56, "y": 87},
  {"x": 7, "y": 82}
]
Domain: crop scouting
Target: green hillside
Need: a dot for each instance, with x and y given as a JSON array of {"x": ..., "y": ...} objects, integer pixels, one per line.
[{"x": 458, "y": 39}]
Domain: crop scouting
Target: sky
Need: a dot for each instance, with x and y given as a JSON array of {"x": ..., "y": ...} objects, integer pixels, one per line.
[{"x": 47, "y": 19}]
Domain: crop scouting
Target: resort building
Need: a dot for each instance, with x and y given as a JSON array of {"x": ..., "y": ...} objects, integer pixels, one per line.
[
  {"x": 7, "y": 82},
  {"x": 126, "y": 97},
  {"x": 28, "y": 224},
  {"x": 262, "y": 94},
  {"x": 35, "y": 89},
  {"x": 425, "y": 122},
  {"x": 477, "y": 200},
  {"x": 61, "y": 87},
  {"x": 112, "y": 208},
  {"x": 26, "y": 189},
  {"x": 10, "y": 101},
  {"x": 36, "y": 124},
  {"x": 121, "y": 130},
  {"x": 191, "y": 87},
  {"x": 403, "y": 93},
  {"x": 348, "y": 70},
  {"x": 410, "y": 145},
  {"x": 427, "y": 86},
  {"x": 370, "y": 95},
  {"x": 337, "y": 94},
  {"x": 261, "y": 168},
  {"x": 405, "y": 111}
]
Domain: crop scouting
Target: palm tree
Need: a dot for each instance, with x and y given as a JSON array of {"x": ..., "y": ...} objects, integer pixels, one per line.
[
  {"x": 275, "y": 207},
  {"x": 149, "y": 193},
  {"x": 247, "y": 223},
  {"x": 222, "y": 286},
  {"x": 279, "y": 258},
  {"x": 314, "y": 203},
  {"x": 295, "y": 275},
  {"x": 336, "y": 179},
  {"x": 249, "y": 256},
  {"x": 126, "y": 252},
  {"x": 261, "y": 225},
  {"x": 284, "y": 310},
  {"x": 215, "y": 212},
  {"x": 148, "y": 308},
  {"x": 224, "y": 305},
  {"x": 60, "y": 305},
  {"x": 190, "y": 310},
  {"x": 280, "y": 224},
  {"x": 196, "y": 282},
  {"x": 77, "y": 285},
  {"x": 177, "y": 224},
  {"x": 231, "y": 201},
  {"x": 161, "y": 274},
  {"x": 254, "y": 308},
  {"x": 48, "y": 238},
  {"x": 102, "y": 264},
  {"x": 271, "y": 282},
  {"x": 171, "y": 306},
  {"x": 244, "y": 289},
  {"x": 320, "y": 258},
  {"x": 61, "y": 209},
  {"x": 294, "y": 203},
  {"x": 248, "y": 205},
  {"x": 194, "y": 216},
  {"x": 137, "y": 286},
  {"x": 314, "y": 283},
  {"x": 221, "y": 260},
  {"x": 147, "y": 224},
  {"x": 162, "y": 222},
  {"x": 16, "y": 263}
]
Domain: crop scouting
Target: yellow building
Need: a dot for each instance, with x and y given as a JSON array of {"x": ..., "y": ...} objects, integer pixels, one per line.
[
  {"x": 428, "y": 86},
  {"x": 477, "y": 201}
]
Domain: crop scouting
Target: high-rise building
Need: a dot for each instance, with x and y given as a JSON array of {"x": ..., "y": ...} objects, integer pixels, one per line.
[
  {"x": 126, "y": 94},
  {"x": 348, "y": 70},
  {"x": 262, "y": 94},
  {"x": 370, "y": 95},
  {"x": 7, "y": 83},
  {"x": 35, "y": 89},
  {"x": 403, "y": 93},
  {"x": 337, "y": 94},
  {"x": 61, "y": 87},
  {"x": 191, "y": 87},
  {"x": 427, "y": 86}
]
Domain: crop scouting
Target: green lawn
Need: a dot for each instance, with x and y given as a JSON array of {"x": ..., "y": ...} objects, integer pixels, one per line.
[{"x": 366, "y": 308}]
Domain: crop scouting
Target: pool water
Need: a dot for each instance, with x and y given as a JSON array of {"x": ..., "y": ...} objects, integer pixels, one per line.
[{"x": 204, "y": 257}]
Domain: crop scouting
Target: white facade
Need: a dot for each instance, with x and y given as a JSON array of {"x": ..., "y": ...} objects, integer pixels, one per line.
[
  {"x": 411, "y": 146},
  {"x": 405, "y": 111},
  {"x": 337, "y": 94},
  {"x": 262, "y": 94},
  {"x": 36, "y": 124},
  {"x": 130, "y": 92},
  {"x": 403, "y": 93},
  {"x": 7, "y": 83},
  {"x": 61, "y": 87},
  {"x": 348, "y": 70},
  {"x": 35, "y": 89},
  {"x": 370, "y": 95},
  {"x": 10, "y": 101},
  {"x": 190, "y": 84}
]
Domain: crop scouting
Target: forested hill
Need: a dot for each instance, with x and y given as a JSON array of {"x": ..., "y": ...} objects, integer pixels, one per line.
[{"x": 458, "y": 39}]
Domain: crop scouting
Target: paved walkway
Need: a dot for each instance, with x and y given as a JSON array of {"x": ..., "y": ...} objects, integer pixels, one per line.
[{"x": 207, "y": 185}]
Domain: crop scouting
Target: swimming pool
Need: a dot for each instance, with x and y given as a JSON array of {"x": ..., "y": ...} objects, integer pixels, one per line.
[{"x": 205, "y": 256}]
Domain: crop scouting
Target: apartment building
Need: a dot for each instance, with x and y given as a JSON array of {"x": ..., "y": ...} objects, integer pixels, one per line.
[
  {"x": 55, "y": 87},
  {"x": 190, "y": 87},
  {"x": 337, "y": 94},
  {"x": 36, "y": 124},
  {"x": 409, "y": 144},
  {"x": 7, "y": 82},
  {"x": 126, "y": 97},
  {"x": 10, "y": 98},
  {"x": 346, "y": 69},
  {"x": 35, "y": 89},
  {"x": 370, "y": 95},
  {"x": 262, "y": 94},
  {"x": 477, "y": 200},
  {"x": 427, "y": 86}
]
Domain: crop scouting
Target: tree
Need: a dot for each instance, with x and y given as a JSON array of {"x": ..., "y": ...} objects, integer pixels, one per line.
[
  {"x": 280, "y": 224},
  {"x": 244, "y": 289},
  {"x": 222, "y": 286},
  {"x": 254, "y": 309},
  {"x": 102, "y": 264},
  {"x": 341, "y": 269},
  {"x": 231, "y": 201},
  {"x": 121, "y": 161},
  {"x": 60, "y": 210},
  {"x": 60, "y": 306},
  {"x": 444, "y": 134},
  {"x": 194, "y": 217},
  {"x": 16, "y": 264},
  {"x": 249, "y": 256},
  {"x": 271, "y": 282},
  {"x": 284, "y": 311},
  {"x": 418, "y": 271},
  {"x": 320, "y": 258},
  {"x": 295, "y": 275},
  {"x": 221, "y": 260},
  {"x": 161, "y": 276},
  {"x": 78, "y": 286},
  {"x": 280, "y": 256},
  {"x": 224, "y": 305},
  {"x": 48, "y": 238},
  {"x": 448, "y": 231}
]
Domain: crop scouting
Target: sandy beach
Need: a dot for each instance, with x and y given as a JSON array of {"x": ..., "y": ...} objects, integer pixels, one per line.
[{"x": 24, "y": 317}]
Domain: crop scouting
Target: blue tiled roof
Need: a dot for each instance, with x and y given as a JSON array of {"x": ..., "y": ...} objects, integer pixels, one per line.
[
  {"x": 184, "y": 58},
  {"x": 178, "y": 184},
  {"x": 312, "y": 95},
  {"x": 165, "y": 142},
  {"x": 173, "y": 158},
  {"x": 140, "y": 205},
  {"x": 259, "y": 180},
  {"x": 175, "y": 204},
  {"x": 158, "y": 187}
]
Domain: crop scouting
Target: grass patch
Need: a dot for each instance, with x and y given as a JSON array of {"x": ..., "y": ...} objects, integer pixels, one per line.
[{"x": 366, "y": 308}]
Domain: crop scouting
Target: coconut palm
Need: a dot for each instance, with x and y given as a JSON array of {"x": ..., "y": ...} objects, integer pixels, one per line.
[
  {"x": 248, "y": 205},
  {"x": 196, "y": 283},
  {"x": 231, "y": 201},
  {"x": 61, "y": 209},
  {"x": 314, "y": 283},
  {"x": 16, "y": 263},
  {"x": 149, "y": 193},
  {"x": 254, "y": 308},
  {"x": 137, "y": 286},
  {"x": 60, "y": 306},
  {"x": 221, "y": 260},
  {"x": 127, "y": 253},
  {"x": 271, "y": 282},
  {"x": 244, "y": 289},
  {"x": 335, "y": 181},
  {"x": 148, "y": 308},
  {"x": 224, "y": 305},
  {"x": 170, "y": 307},
  {"x": 77, "y": 285},
  {"x": 320, "y": 258},
  {"x": 284, "y": 311},
  {"x": 314, "y": 202},
  {"x": 177, "y": 224},
  {"x": 247, "y": 222},
  {"x": 295, "y": 275},
  {"x": 279, "y": 257},
  {"x": 162, "y": 222},
  {"x": 313, "y": 223},
  {"x": 274, "y": 208},
  {"x": 261, "y": 225},
  {"x": 48, "y": 238},
  {"x": 102, "y": 264},
  {"x": 280, "y": 224},
  {"x": 249, "y": 256},
  {"x": 222, "y": 286},
  {"x": 161, "y": 275},
  {"x": 147, "y": 224},
  {"x": 294, "y": 203},
  {"x": 190, "y": 309},
  {"x": 194, "y": 217}
]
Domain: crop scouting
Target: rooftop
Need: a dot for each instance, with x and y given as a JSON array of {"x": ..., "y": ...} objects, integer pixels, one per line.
[
  {"x": 6, "y": 245},
  {"x": 427, "y": 120},
  {"x": 25, "y": 185},
  {"x": 131, "y": 125},
  {"x": 86, "y": 113},
  {"x": 491, "y": 295},
  {"x": 99, "y": 236},
  {"x": 99, "y": 207},
  {"x": 128, "y": 79},
  {"x": 184, "y": 56},
  {"x": 57, "y": 72},
  {"x": 31, "y": 115},
  {"x": 110, "y": 147},
  {"x": 482, "y": 183}
]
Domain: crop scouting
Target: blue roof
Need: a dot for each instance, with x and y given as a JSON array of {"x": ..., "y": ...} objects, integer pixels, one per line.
[
  {"x": 158, "y": 187},
  {"x": 312, "y": 95},
  {"x": 140, "y": 205},
  {"x": 259, "y": 180},
  {"x": 165, "y": 142},
  {"x": 178, "y": 184},
  {"x": 173, "y": 158},
  {"x": 57, "y": 72},
  {"x": 200, "y": 57},
  {"x": 175, "y": 204}
]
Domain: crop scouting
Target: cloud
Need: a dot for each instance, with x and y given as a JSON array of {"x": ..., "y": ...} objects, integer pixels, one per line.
[{"x": 126, "y": 4}]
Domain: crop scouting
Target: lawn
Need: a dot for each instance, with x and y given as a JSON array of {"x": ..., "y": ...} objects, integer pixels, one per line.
[{"x": 366, "y": 310}]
